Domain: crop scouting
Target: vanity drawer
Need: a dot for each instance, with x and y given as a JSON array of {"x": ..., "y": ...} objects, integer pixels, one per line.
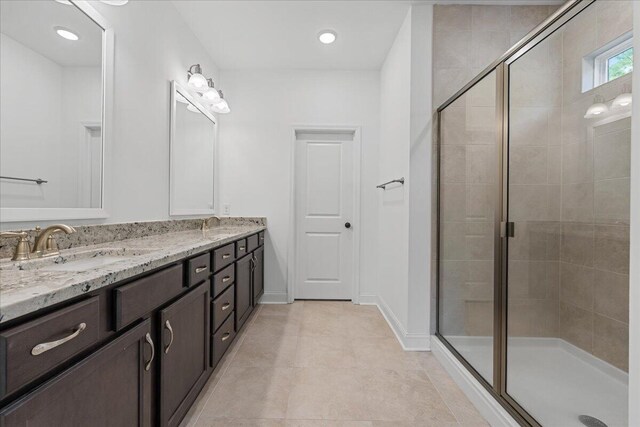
[
  {"x": 138, "y": 298},
  {"x": 261, "y": 238},
  {"x": 241, "y": 248},
  {"x": 222, "y": 307},
  {"x": 222, "y": 279},
  {"x": 252, "y": 243},
  {"x": 221, "y": 340},
  {"x": 198, "y": 269},
  {"x": 224, "y": 256},
  {"x": 30, "y": 350}
]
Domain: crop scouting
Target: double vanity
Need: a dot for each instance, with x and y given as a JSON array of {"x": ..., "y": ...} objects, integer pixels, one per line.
[{"x": 124, "y": 332}]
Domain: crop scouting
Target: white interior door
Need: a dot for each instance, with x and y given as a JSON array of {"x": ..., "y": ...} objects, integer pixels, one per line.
[{"x": 324, "y": 216}]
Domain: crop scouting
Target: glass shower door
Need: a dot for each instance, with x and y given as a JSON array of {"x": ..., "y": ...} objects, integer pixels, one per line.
[
  {"x": 467, "y": 193},
  {"x": 568, "y": 197}
]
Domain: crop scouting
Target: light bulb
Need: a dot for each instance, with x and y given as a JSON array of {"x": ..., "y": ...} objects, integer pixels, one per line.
[
  {"x": 622, "y": 100},
  {"x": 197, "y": 81},
  {"x": 597, "y": 108},
  {"x": 222, "y": 107},
  {"x": 211, "y": 96}
]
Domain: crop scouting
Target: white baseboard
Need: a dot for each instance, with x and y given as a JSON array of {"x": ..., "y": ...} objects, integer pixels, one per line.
[
  {"x": 274, "y": 298},
  {"x": 488, "y": 407},
  {"x": 408, "y": 341}
]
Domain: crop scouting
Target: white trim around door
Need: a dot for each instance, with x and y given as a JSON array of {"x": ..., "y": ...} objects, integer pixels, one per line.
[{"x": 356, "y": 222}]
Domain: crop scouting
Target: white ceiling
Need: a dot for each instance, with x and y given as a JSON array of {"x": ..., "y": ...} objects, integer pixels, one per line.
[
  {"x": 31, "y": 23},
  {"x": 283, "y": 34}
]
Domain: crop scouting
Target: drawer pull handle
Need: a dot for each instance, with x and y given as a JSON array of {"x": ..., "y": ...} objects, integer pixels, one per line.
[
  {"x": 242, "y": 248},
  {"x": 226, "y": 305},
  {"x": 149, "y": 341},
  {"x": 168, "y": 326},
  {"x": 226, "y": 279},
  {"x": 226, "y": 336},
  {"x": 200, "y": 269},
  {"x": 225, "y": 256},
  {"x": 41, "y": 348}
]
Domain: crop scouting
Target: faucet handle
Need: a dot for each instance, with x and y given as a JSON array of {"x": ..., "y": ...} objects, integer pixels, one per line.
[{"x": 23, "y": 248}]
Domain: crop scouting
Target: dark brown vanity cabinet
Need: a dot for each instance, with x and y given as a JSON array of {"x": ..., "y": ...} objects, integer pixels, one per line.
[
  {"x": 258, "y": 274},
  {"x": 244, "y": 299},
  {"x": 183, "y": 353},
  {"x": 111, "y": 387},
  {"x": 135, "y": 353}
]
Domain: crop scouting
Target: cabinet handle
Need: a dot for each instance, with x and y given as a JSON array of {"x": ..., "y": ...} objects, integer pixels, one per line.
[
  {"x": 149, "y": 341},
  {"x": 226, "y": 336},
  {"x": 242, "y": 248},
  {"x": 168, "y": 326},
  {"x": 41, "y": 348},
  {"x": 225, "y": 256},
  {"x": 201, "y": 269},
  {"x": 225, "y": 306},
  {"x": 253, "y": 264},
  {"x": 226, "y": 279}
]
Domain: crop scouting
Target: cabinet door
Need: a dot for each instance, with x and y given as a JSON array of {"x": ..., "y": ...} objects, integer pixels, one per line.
[
  {"x": 243, "y": 290},
  {"x": 111, "y": 387},
  {"x": 258, "y": 274},
  {"x": 184, "y": 353}
]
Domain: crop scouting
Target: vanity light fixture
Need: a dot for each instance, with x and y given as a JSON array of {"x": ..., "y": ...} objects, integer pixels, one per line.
[
  {"x": 196, "y": 80},
  {"x": 597, "y": 108},
  {"x": 327, "y": 36},
  {"x": 221, "y": 107},
  {"x": 66, "y": 33},
  {"x": 211, "y": 95}
]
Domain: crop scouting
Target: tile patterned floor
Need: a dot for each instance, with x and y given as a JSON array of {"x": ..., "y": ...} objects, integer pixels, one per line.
[{"x": 320, "y": 364}]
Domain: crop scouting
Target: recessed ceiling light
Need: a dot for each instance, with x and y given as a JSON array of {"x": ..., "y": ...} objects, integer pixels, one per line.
[
  {"x": 115, "y": 2},
  {"x": 327, "y": 36},
  {"x": 66, "y": 33},
  {"x": 67, "y": 2}
]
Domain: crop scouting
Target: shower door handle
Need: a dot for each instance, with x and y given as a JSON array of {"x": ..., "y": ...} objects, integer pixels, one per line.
[{"x": 507, "y": 229}]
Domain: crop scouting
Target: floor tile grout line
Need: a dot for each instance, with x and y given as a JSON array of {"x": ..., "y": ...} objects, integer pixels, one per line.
[
  {"x": 433, "y": 383},
  {"x": 237, "y": 344}
]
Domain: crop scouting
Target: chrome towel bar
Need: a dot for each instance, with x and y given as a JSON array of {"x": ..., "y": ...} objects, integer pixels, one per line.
[
  {"x": 37, "y": 180},
  {"x": 384, "y": 186}
]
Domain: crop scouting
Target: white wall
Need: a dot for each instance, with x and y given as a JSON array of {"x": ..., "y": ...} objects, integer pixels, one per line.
[
  {"x": 152, "y": 47},
  {"x": 393, "y": 203},
  {"x": 256, "y": 141},
  {"x": 634, "y": 265},
  {"x": 405, "y": 150}
]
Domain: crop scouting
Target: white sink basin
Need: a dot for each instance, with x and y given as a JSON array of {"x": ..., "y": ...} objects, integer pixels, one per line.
[{"x": 79, "y": 261}]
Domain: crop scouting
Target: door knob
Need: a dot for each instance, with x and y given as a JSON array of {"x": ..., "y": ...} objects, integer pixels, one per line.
[{"x": 347, "y": 225}]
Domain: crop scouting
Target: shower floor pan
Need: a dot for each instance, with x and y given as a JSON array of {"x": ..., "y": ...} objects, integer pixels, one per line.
[{"x": 553, "y": 380}]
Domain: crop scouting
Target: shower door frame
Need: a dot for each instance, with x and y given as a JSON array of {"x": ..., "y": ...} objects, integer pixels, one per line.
[{"x": 500, "y": 302}]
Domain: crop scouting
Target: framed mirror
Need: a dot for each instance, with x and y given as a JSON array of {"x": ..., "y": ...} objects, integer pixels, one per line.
[
  {"x": 55, "y": 77},
  {"x": 193, "y": 155}
]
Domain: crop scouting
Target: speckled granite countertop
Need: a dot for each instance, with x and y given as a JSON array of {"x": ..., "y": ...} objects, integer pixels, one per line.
[{"x": 25, "y": 288}]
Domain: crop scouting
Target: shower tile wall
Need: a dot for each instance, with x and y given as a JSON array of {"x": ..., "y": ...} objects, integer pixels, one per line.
[
  {"x": 467, "y": 38},
  {"x": 594, "y": 252}
]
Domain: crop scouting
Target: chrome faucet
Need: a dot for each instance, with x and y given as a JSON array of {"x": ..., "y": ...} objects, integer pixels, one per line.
[
  {"x": 206, "y": 221},
  {"x": 45, "y": 245}
]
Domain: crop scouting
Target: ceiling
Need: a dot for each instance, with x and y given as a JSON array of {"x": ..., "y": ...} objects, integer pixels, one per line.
[
  {"x": 283, "y": 34},
  {"x": 31, "y": 23}
]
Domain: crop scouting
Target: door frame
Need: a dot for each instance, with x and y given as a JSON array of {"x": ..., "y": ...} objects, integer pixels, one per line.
[{"x": 292, "y": 257}]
